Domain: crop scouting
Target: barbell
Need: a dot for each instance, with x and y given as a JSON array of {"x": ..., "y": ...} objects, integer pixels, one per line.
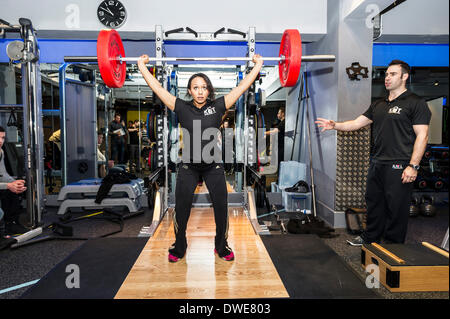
[{"x": 112, "y": 61}]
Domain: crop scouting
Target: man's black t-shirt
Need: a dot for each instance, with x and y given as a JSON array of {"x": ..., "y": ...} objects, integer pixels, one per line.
[
  {"x": 202, "y": 125},
  {"x": 114, "y": 126},
  {"x": 393, "y": 135}
]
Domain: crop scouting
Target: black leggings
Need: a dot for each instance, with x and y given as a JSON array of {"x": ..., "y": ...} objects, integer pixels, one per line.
[{"x": 187, "y": 180}]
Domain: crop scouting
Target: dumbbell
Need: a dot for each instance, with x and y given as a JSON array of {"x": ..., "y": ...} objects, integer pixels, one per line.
[
  {"x": 437, "y": 182},
  {"x": 420, "y": 182}
]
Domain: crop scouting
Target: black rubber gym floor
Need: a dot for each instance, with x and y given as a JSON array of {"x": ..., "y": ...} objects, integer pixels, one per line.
[
  {"x": 310, "y": 269},
  {"x": 103, "y": 265}
]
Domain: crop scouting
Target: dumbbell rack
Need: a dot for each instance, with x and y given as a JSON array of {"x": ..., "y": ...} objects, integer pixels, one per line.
[
  {"x": 432, "y": 178},
  {"x": 431, "y": 185}
]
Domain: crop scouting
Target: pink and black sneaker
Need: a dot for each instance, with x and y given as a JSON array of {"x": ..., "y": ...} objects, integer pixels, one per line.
[
  {"x": 228, "y": 257},
  {"x": 173, "y": 259}
]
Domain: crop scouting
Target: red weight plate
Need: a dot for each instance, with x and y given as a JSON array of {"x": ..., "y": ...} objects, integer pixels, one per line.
[
  {"x": 109, "y": 49},
  {"x": 291, "y": 49}
]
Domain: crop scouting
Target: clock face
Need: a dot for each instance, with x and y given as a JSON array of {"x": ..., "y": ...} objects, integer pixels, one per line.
[{"x": 111, "y": 13}]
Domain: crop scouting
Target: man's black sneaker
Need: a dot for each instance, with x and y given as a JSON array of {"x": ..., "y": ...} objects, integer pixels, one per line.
[
  {"x": 2, "y": 228},
  {"x": 357, "y": 241},
  {"x": 15, "y": 228},
  {"x": 6, "y": 241}
]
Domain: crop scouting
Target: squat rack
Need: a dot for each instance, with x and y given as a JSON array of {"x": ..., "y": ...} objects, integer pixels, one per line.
[{"x": 162, "y": 73}]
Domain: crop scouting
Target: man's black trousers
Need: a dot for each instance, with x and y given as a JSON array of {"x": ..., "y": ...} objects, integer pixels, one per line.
[
  {"x": 388, "y": 201},
  {"x": 11, "y": 205},
  {"x": 187, "y": 180},
  {"x": 118, "y": 150},
  {"x": 135, "y": 156}
]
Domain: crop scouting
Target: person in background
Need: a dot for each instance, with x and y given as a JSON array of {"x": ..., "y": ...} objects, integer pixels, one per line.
[
  {"x": 134, "y": 134},
  {"x": 55, "y": 138},
  {"x": 10, "y": 200},
  {"x": 55, "y": 150},
  {"x": 2, "y": 225},
  {"x": 101, "y": 158},
  {"x": 118, "y": 137},
  {"x": 227, "y": 136},
  {"x": 279, "y": 129}
]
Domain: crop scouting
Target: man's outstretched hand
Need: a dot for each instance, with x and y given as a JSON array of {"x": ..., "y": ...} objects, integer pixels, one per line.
[{"x": 325, "y": 124}]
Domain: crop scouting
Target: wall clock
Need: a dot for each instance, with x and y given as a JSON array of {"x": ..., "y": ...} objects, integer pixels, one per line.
[{"x": 111, "y": 13}]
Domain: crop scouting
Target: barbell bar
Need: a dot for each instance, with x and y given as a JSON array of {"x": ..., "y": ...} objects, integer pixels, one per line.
[
  {"x": 111, "y": 58},
  {"x": 307, "y": 58}
]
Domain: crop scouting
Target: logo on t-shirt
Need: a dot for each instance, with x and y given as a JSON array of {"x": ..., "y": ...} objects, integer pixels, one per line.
[
  {"x": 395, "y": 110},
  {"x": 210, "y": 110}
]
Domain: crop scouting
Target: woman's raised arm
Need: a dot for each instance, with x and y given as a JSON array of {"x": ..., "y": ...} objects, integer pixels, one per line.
[
  {"x": 164, "y": 95},
  {"x": 235, "y": 93}
]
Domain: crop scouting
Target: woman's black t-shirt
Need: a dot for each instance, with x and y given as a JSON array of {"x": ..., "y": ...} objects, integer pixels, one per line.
[{"x": 200, "y": 130}]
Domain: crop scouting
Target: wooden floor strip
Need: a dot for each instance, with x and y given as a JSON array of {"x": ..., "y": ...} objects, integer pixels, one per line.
[
  {"x": 201, "y": 274},
  {"x": 201, "y": 188}
]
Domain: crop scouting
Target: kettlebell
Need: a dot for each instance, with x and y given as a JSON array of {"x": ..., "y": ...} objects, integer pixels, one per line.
[
  {"x": 427, "y": 207},
  {"x": 414, "y": 207}
]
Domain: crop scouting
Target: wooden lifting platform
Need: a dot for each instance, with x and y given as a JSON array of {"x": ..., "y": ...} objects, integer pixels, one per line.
[{"x": 201, "y": 274}]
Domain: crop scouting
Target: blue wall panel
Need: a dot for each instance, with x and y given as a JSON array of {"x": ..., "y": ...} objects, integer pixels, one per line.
[
  {"x": 53, "y": 51},
  {"x": 419, "y": 55}
]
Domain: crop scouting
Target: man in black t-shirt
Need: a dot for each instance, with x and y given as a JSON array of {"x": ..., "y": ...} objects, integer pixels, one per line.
[
  {"x": 279, "y": 130},
  {"x": 117, "y": 131},
  {"x": 399, "y": 139}
]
